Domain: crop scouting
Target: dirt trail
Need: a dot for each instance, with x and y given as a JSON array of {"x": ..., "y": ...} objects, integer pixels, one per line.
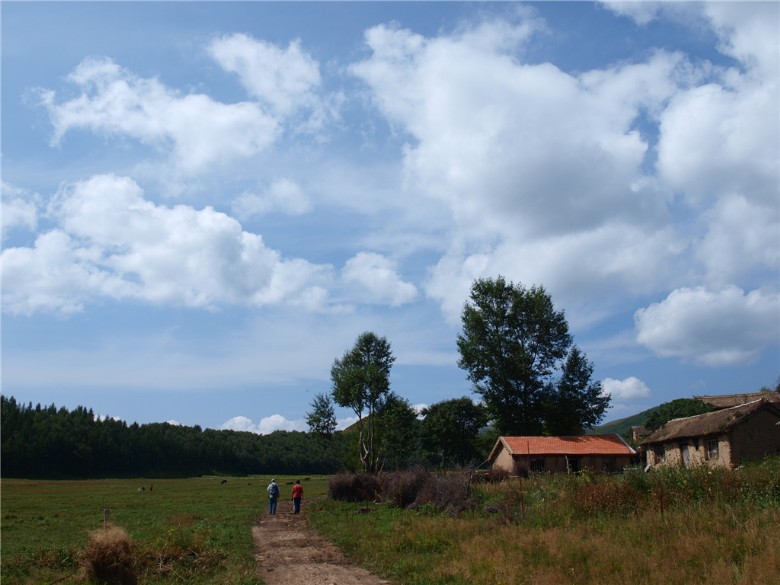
[{"x": 290, "y": 552}]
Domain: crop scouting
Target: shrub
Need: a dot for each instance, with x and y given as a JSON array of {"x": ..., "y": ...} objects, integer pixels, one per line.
[
  {"x": 109, "y": 557},
  {"x": 362, "y": 487},
  {"x": 401, "y": 488}
]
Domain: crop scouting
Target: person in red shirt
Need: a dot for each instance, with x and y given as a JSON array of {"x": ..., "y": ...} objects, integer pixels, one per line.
[{"x": 297, "y": 494}]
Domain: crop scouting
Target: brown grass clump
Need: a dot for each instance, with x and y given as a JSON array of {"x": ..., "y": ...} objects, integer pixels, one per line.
[
  {"x": 353, "y": 488},
  {"x": 109, "y": 559}
]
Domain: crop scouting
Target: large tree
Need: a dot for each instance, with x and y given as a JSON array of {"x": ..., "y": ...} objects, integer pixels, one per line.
[
  {"x": 322, "y": 418},
  {"x": 361, "y": 382},
  {"x": 450, "y": 430},
  {"x": 518, "y": 352},
  {"x": 397, "y": 429},
  {"x": 679, "y": 408}
]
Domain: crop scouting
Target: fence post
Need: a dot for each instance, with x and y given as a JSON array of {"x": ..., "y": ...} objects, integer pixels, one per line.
[{"x": 106, "y": 517}]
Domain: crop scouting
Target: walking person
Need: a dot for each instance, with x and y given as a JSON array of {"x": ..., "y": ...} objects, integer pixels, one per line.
[
  {"x": 273, "y": 496},
  {"x": 297, "y": 494}
]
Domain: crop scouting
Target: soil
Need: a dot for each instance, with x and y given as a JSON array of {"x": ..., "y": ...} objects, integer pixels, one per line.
[{"x": 288, "y": 551}]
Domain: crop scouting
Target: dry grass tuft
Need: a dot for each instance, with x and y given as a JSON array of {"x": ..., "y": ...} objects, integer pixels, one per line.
[{"x": 108, "y": 558}]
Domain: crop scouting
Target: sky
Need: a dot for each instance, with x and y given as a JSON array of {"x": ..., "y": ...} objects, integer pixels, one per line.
[{"x": 204, "y": 204}]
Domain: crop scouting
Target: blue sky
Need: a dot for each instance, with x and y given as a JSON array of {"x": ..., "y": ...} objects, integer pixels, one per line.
[{"x": 204, "y": 204}]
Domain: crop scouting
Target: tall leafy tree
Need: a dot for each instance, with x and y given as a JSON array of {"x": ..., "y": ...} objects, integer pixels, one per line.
[
  {"x": 450, "y": 430},
  {"x": 678, "y": 408},
  {"x": 322, "y": 417},
  {"x": 575, "y": 402},
  {"x": 361, "y": 382},
  {"x": 518, "y": 353},
  {"x": 397, "y": 429}
]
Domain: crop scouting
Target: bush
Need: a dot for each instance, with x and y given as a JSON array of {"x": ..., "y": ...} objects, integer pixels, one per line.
[
  {"x": 362, "y": 487},
  {"x": 415, "y": 487},
  {"x": 448, "y": 492},
  {"x": 401, "y": 488},
  {"x": 109, "y": 557}
]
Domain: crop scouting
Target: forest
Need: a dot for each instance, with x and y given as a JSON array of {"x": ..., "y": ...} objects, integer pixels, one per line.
[{"x": 51, "y": 442}]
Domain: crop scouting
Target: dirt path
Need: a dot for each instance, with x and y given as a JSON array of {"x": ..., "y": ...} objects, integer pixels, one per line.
[{"x": 290, "y": 552}]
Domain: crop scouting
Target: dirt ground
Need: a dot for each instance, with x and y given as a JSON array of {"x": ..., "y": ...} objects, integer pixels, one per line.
[{"x": 289, "y": 552}]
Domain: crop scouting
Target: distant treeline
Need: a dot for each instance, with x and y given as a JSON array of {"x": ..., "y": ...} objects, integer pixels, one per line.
[{"x": 47, "y": 442}]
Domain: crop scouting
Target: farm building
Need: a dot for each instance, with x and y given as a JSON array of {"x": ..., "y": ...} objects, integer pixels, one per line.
[
  {"x": 722, "y": 438},
  {"x": 521, "y": 455},
  {"x": 729, "y": 400}
]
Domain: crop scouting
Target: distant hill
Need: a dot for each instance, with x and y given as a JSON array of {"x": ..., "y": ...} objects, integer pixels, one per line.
[{"x": 623, "y": 426}]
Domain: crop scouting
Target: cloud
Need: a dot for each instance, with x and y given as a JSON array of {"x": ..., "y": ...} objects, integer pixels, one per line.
[
  {"x": 713, "y": 328},
  {"x": 283, "y": 196},
  {"x": 200, "y": 130},
  {"x": 113, "y": 242},
  {"x": 266, "y": 425},
  {"x": 625, "y": 390},
  {"x": 541, "y": 170},
  {"x": 284, "y": 79},
  {"x": 19, "y": 209},
  {"x": 377, "y": 280}
]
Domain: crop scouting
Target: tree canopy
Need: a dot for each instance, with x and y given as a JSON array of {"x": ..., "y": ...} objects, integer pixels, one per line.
[
  {"x": 679, "y": 408},
  {"x": 361, "y": 382},
  {"x": 519, "y": 355},
  {"x": 450, "y": 430},
  {"x": 322, "y": 417}
]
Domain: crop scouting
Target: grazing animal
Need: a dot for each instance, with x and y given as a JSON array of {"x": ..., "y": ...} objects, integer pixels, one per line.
[
  {"x": 223, "y": 482},
  {"x": 140, "y": 489}
]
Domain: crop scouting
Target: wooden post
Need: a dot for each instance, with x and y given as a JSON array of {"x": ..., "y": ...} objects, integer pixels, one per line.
[{"x": 106, "y": 518}]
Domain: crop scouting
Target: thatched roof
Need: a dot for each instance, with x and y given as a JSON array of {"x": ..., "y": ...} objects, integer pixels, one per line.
[
  {"x": 710, "y": 423},
  {"x": 574, "y": 446},
  {"x": 729, "y": 400}
]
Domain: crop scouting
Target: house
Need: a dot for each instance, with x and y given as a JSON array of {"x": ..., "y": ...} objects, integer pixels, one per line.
[
  {"x": 521, "y": 455},
  {"x": 729, "y": 400},
  {"x": 722, "y": 438}
]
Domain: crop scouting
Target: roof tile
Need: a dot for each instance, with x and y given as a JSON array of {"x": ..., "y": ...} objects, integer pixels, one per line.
[{"x": 584, "y": 445}]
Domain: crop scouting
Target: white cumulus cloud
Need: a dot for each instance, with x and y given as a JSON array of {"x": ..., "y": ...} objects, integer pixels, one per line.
[
  {"x": 282, "y": 196},
  {"x": 285, "y": 79},
  {"x": 377, "y": 280},
  {"x": 629, "y": 389},
  {"x": 18, "y": 209},
  {"x": 714, "y": 328},
  {"x": 200, "y": 130},
  {"x": 113, "y": 242},
  {"x": 266, "y": 425}
]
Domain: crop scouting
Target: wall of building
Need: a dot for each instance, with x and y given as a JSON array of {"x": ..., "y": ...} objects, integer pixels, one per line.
[
  {"x": 522, "y": 464},
  {"x": 755, "y": 438},
  {"x": 758, "y": 437},
  {"x": 504, "y": 461}
]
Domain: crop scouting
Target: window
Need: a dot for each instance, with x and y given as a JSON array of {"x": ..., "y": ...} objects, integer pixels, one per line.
[
  {"x": 537, "y": 465},
  {"x": 712, "y": 448}
]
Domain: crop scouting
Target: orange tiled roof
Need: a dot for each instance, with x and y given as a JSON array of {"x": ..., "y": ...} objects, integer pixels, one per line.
[{"x": 585, "y": 445}]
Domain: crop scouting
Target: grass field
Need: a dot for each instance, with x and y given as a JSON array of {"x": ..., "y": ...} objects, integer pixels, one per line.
[
  {"x": 677, "y": 528},
  {"x": 185, "y": 530}
]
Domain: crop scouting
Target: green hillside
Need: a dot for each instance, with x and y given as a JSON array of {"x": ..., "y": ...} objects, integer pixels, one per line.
[{"x": 623, "y": 426}]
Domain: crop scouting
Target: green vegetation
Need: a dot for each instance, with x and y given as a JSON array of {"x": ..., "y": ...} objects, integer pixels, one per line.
[
  {"x": 361, "y": 382},
  {"x": 519, "y": 354},
  {"x": 46, "y": 442},
  {"x": 675, "y": 526},
  {"x": 182, "y": 530},
  {"x": 680, "y": 408},
  {"x": 623, "y": 426}
]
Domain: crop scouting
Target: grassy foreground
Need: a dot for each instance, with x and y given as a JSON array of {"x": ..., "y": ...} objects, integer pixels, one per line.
[
  {"x": 183, "y": 530},
  {"x": 678, "y": 527}
]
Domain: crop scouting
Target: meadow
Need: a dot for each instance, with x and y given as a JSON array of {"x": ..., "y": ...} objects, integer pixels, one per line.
[
  {"x": 675, "y": 527},
  {"x": 184, "y": 530}
]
